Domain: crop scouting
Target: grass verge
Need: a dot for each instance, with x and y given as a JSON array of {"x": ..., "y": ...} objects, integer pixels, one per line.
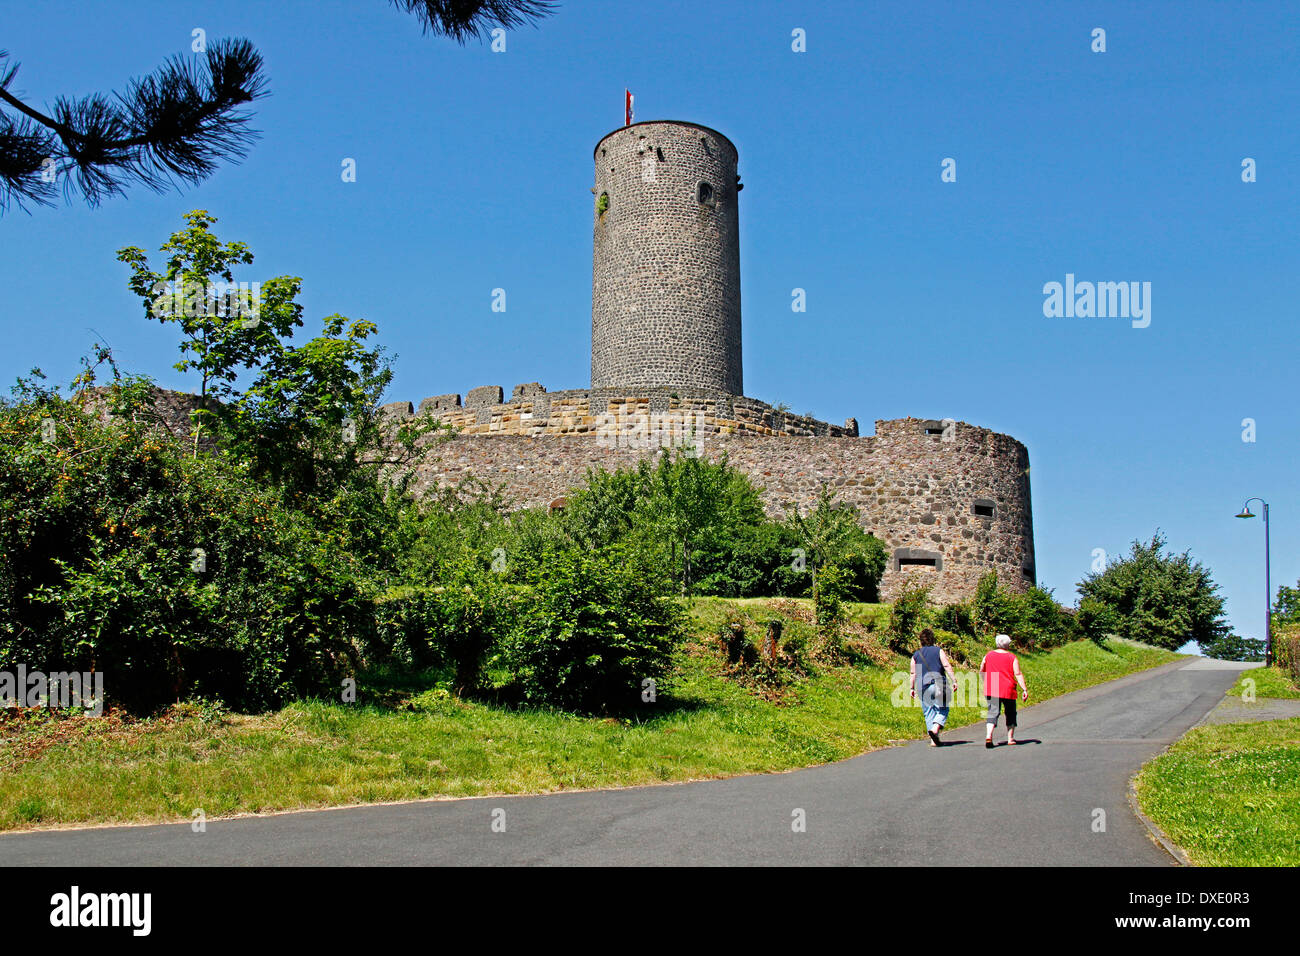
[
  {"x": 1266, "y": 682},
  {"x": 421, "y": 742},
  {"x": 1229, "y": 794}
]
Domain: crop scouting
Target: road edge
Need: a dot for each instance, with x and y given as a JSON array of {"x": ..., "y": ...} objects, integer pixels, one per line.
[{"x": 1157, "y": 835}]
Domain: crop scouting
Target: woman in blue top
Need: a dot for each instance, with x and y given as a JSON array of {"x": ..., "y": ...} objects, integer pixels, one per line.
[{"x": 929, "y": 665}]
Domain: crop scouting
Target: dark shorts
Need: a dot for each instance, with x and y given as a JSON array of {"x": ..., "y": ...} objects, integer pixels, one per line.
[{"x": 997, "y": 704}]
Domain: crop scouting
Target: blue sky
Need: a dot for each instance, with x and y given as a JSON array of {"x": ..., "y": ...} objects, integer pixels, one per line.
[{"x": 924, "y": 298}]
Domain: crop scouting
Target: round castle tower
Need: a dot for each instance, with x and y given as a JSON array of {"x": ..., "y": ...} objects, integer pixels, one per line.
[{"x": 665, "y": 290}]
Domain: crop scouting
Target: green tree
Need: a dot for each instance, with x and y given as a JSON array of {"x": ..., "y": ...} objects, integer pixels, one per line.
[
  {"x": 224, "y": 333},
  {"x": 1158, "y": 597},
  {"x": 688, "y": 499},
  {"x": 1286, "y": 609},
  {"x": 1234, "y": 647},
  {"x": 830, "y": 534}
]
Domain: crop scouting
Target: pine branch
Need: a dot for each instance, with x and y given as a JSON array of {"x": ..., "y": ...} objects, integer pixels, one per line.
[
  {"x": 463, "y": 19},
  {"x": 177, "y": 124}
]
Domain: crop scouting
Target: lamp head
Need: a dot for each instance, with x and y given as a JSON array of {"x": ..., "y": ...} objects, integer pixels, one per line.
[{"x": 1245, "y": 513}]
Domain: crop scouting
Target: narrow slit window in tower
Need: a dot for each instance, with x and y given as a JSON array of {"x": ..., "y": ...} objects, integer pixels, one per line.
[
  {"x": 917, "y": 558},
  {"x": 983, "y": 508}
]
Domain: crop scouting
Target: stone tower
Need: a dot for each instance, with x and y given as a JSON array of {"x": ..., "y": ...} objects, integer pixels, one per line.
[{"x": 665, "y": 289}]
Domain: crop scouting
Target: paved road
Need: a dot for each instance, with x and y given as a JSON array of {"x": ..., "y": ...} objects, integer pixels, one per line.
[{"x": 961, "y": 804}]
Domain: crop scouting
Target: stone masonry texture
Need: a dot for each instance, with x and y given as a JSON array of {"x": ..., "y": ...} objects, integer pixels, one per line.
[
  {"x": 914, "y": 490},
  {"x": 665, "y": 292}
]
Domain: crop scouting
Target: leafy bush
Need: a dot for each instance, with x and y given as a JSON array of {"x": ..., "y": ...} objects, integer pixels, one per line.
[
  {"x": 961, "y": 648},
  {"x": 454, "y": 624},
  {"x": 906, "y": 615},
  {"x": 994, "y": 609},
  {"x": 1095, "y": 620},
  {"x": 1033, "y": 618},
  {"x": 1286, "y": 650},
  {"x": 590, "y": 629},
  {"x": 830, "y": 534},
  {"x": 758, "y": 561},
  {"x": 956, "y": 618},
  {"x": 1040, "y": 621},
  {"x": 173, "y": 575}
]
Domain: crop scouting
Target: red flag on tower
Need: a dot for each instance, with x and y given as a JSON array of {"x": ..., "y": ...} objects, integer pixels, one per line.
[{"x": 627, "y": 121}]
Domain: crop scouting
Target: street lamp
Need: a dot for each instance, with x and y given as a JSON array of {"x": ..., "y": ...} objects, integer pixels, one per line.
[{"x": 1268, "y": 584}]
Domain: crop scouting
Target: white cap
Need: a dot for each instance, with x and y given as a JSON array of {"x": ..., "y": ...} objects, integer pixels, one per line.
[{"x": 1003, "y": 640}]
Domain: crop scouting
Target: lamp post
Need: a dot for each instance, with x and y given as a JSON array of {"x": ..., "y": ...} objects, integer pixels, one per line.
[{"x": 1268, "y": 584}]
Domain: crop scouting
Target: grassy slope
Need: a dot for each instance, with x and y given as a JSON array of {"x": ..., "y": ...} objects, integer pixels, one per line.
[
  {"x": 1268, "y": 682},
  {"x": 314, "y": 754},
  {"x": 1228, "y": 793}
]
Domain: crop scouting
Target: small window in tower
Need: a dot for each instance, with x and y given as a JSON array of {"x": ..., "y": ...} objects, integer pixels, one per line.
[
  {"x": 983, "y": 508},
  {"x": 917, "y": 558},
  {"x": 704, "y": 194},
  {"x": 660, "y": 153}
]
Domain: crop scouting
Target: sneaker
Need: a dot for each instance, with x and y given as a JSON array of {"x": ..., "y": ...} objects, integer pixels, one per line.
[
  {"x": 934, "y": 738},
  {"x": 989, "y": 744}
]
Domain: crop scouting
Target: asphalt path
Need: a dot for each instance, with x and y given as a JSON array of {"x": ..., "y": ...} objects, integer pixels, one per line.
[{"x": 1060, "y": 797}]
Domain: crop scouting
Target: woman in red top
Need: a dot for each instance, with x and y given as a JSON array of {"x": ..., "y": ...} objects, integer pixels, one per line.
[{"x": 1001, "y": 672}]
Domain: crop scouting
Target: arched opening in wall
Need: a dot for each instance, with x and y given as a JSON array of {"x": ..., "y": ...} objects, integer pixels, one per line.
[
  {"x": 602, "y": 206},
  {"x": 704, "y": 194},
  {"x": 983, "y": 508},
  {"x": 917, "y": 558}
]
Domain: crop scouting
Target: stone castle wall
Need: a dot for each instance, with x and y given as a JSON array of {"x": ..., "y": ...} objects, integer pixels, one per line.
[
  {"x": 665, "y": 293},
  {"x": 916, "y": 483}
]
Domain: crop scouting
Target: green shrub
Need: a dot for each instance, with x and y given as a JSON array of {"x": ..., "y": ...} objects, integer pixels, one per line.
[
  {"x": 590, "y": 630},
  {"x": 173, "y": 575},
  {"x": 994, "y": 609},
  {"x": 906, "y": 615},
  {"x": 956, "y": 618},
  {"x": 830, "y": 534},
  {"x": 455, "y": 624},
  {"x": 1041, "y": 622},
  {"x": 833, "y": 585},
  {"x": 756, "y": 561},
  {"x": 961, "y": 648},
  {"x": 1286, "y": 650},
  {"x": 1095, "y": 620}
]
